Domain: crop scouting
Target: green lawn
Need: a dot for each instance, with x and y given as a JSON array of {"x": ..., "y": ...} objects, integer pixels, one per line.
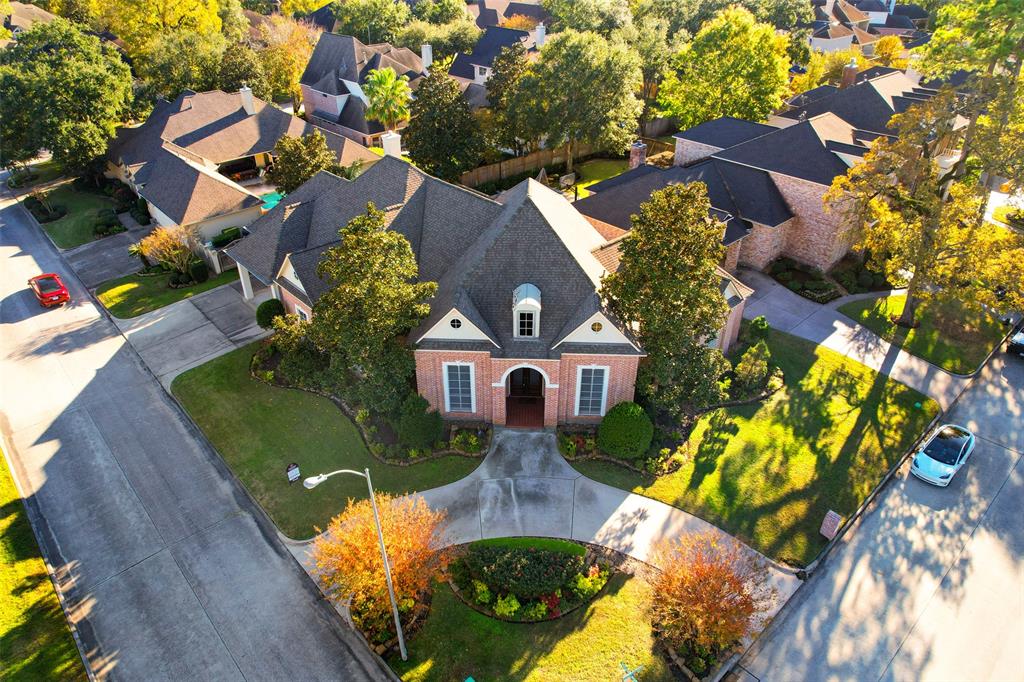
[
  {"x": 260, "y": 429},
  {"x": 134, "y": 295},
  {"x": 75, "y": 228},
  {"x": 769, "y": 472},
  {"x": 456, "y": 642},
  {"x": 47, "y": 171},
  {"x": 596, "y": 170},
  {"x": 35, "y": 643},
  {"x": 954, "y": 336}
]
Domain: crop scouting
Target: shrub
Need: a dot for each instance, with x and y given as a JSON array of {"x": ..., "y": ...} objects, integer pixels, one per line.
[
  {"x": 481, "y": 593},
  {"x": 177, "y": 279},
  {"x": 865, "y": 278},
  {"x": 466, "y": 441},
  {"x": 878, "y": 280},
  {"x": 566, "y": 445},
  {"x": 362, "y": 415},
  {"x": 534, "y": 611},
  {"x": 507, "y": 606},
  {"x": 418, "y": 425},
  {"x": 267, "y": 311},
  {"x": 586, "y": 586},
  {"x": 626, "y": 431},
  {"x": 759, "y": 327},
  {"x": 752, "y": 369},
  {"x": 226, "y": 237},
  {"x": 199, "y": 271},
  {"x": 784, "y": 276},
  {"x": 794, "y": 286},
  {"x": 525, "y": 571}
]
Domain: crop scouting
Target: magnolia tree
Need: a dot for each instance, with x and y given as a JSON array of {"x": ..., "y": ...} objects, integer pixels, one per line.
[
  {"x": 348, "y": 561},
  {"x": 712, "y": 592},
  {"x": 171, "y": 246}
]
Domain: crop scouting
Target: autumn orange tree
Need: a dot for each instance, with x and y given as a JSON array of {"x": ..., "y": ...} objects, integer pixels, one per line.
[
  {"x": 348, "y": 562},
  {"x": 171, "y": 246},
  {"x": 710, "y": 593}
]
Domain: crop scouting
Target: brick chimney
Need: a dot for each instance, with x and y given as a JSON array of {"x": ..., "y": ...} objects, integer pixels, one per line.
[
  {"x": 247, "y": 102},
  {"x": 426, "y": 55},
  {"x": 849, "y": 74},
  {"x": 392, "y": 144},
  {"x": 637, "y": 154}
]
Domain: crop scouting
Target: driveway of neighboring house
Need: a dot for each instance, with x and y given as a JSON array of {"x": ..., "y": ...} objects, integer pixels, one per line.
[
  {"x": 188, "y": 333},
  {"x": 107, "y": 258},
  {"x": 524, "y": 487},
  {"x": 826, "y": 326}
]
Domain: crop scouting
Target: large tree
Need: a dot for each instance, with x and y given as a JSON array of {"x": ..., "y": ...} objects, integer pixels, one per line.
[
  {"x": 285, "y": 48},
  {"x": 503, "y": 128},
  {"x": 582, "y": 90},
  {"x": 599, "y": 16},
  {"x": 735, "y": 66},
  {"x": 373, "y": 300},
  {"x": 915, "y": 221},
  {"x": 692, "y": 15},
  {"x": 136, "y": 22},
  {"x": 388, "y": 95},
  {"x": 298, "y": 159},
  {"x": 651, "y": 39},
  {"x": 667, "y": 285},
  {"x": 440, "y": 11},
  {"x": 443, "y": 136},
  {"x": 234, "y": 25},
  {"x": 62, "y": 90},
  {"x": 446, "y": 39},
  {"x": 241, "y": 65},
  {"x": 348, "y": 562},
  {"x": 176, "y": 60},
  {"x": 372, "y": 21}
]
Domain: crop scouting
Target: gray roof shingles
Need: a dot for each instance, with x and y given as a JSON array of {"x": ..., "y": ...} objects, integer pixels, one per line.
[{"x": 725, "y": 132}]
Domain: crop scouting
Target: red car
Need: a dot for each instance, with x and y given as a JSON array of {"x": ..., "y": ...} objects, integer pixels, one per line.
[{"x": 49, "y": 290}]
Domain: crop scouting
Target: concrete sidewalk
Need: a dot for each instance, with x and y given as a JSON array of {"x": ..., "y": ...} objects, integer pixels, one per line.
[
  {"x": 824, "y": 325},
  {"x": 188, "y": 333},
  {"x": 524, "y": 487}
]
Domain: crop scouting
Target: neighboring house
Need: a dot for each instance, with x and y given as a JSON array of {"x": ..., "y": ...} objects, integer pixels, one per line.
[
  {"x": 839, "y": 25},
  {"x": 190, "y": 158},
  {"x": 332, "y": 92},
  {"x": 21, "y": 18},
  {"x": 517, "y": 332},
  {"x": 767, "y": 182},
  {"x": 487, "y": 13},
  {"x": 472, "y": 70}
]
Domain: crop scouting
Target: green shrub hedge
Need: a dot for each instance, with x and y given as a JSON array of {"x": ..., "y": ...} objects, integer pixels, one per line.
[
  {"x": 626, "y": 431},
  {"x": 526, "y": 572},
  {"x": 199, "y": 271},
  {"x": 418, "y": 426},
  {"x": 267, "y": 311}
]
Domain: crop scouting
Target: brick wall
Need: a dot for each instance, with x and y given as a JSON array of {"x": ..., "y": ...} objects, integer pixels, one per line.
[
  {"x": 732, "y": 328},
  {"x": 430, "y": 381},
  {"x": 621, "y": 383},
  {"x": 764, "y": 244},
  {"x": 732, "y": 256},
  {"x": 688, "y": 151},
  {"x": 817, "y": 238},
  {"x": 293, "y": 305}
]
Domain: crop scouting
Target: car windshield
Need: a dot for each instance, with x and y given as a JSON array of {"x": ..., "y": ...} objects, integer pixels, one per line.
[
  {"x": 946, "y": 445},
  {"x": 48, "y": 285}
]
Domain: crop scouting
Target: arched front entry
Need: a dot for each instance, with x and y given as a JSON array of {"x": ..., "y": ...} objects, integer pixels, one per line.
[{"x": 524, "y": 398}]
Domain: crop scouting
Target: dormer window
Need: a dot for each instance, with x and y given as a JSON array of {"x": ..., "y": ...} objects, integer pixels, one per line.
[{"x": 526, "y": 311}]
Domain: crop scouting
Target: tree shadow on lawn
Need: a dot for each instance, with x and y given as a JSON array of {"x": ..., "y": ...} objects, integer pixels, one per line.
[{"x": 721, "y": 429}]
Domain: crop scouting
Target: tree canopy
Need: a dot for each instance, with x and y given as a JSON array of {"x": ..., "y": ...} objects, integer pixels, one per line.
[
  {"x": 735, "y": 66},
  {"x": 443, "y": 136},
  {"x": 459, "y": 35},
  {"x": 136, "y": 22},
  {"x": 388, "y": 95},
  {"x": 176, "y": 60},
  {"x": 298, "y": 159},
  {"x": 667, "y": 285},
  {"x": 440, "y": 11},
  {"x": 62, "y": 90},
  {"x": 599, "y": 16},
  {"x": 287, "y": 45},
  {"x": 372, "y": 21}
]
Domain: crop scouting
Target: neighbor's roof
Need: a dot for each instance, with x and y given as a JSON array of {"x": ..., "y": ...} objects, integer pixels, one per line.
[
  {"x": 23, "y": 16},
  {"x": 911, "y": 11},
  {"x": 725, "y": 132},
  {"x": 487, "y": 48},
  {"x": 494, "y": 12},
  {"x": 338, "y": 57}
]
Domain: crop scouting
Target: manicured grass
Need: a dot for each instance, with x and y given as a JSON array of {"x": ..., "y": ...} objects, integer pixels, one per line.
[
  {"x": 134, "y": 295},
  {"x": 596, "y": 170},
  {"x": 769, "y": 472},
  {"x": 75, "y": 228},
  {"x": 46, "y": 171},
  {"x": 955, "y": 336},
  {"x": 35, "y": 643},
  {"x": 260, "y": 429},
  {"x": 456, "y": 642},
  {"x": 550, "y": 544}
]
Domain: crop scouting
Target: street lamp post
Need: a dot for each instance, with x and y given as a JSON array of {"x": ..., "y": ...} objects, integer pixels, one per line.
[{"x": 314, "y": 481}]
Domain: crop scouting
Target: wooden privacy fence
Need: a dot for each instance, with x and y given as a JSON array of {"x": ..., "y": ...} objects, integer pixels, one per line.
[{"x": 522, "y": 164}]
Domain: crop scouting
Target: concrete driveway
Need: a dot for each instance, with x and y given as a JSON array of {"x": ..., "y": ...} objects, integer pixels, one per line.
[
  {"x": 188, "y": 333},
  {"x": 825, "y": 326},
  {"x": 929, "y": 584},
  {"x": 166, "y": 569},
  {"x": 107, "y": 258}
]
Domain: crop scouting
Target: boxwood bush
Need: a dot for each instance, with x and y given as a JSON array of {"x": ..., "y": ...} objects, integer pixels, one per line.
[
  {"x": 526, "y": 572},
  {"x": 267, "y": 311},
  {"x": 626, "y": 431},
  {"x": 418, "y": 426}
]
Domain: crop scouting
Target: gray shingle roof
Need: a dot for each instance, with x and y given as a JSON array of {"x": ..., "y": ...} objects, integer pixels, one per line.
[
  {"x": 867, "y": 105},
  {"x": 487, "y": 48},
  {"x": 725, "y": 132},
  {"x": 338, "y": 57}
]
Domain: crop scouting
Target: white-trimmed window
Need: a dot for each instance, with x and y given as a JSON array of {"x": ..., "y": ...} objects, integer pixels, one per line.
[
  {"x": 591, "y": 390},
  {"x": 302, "y": 314},
  {"x": 459, "y": 388},
  {"x": 526, "y": 311}
]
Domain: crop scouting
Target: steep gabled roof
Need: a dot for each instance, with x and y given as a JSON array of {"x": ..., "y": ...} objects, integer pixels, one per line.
[
  {"x": 487, "y": 48},
  {"x": 725, "y": 132},
  {"x": 867, "y": 105},
  {"x": 339, "y": 57}
]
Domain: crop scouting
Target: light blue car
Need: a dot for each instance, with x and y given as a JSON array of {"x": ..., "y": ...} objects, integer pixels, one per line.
[{"x": 943, "y": 454}]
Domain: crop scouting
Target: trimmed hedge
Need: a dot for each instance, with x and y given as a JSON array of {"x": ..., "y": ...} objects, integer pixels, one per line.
[
  {"x": 267, "y": 311},
  {"x": 525, "y": 572},
  {"x": 626, "y": 431},
  {"x": 418, "y": 426},
  {"x": 199, "y": 271}
]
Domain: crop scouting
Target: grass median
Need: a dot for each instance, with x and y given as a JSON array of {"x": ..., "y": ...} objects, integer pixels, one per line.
[{"x": 134, "y": 295}]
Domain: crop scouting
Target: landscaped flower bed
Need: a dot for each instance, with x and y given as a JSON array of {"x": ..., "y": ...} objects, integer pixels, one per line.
[
  {"x": 526, "y": 580},
  {"x": 804, "y": 280},
  {"x": 852, "y": 272}
]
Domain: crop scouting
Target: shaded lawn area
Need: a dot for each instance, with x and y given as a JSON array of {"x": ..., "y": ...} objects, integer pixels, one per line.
[
  {"x": 75, "y": 228},
  {"x": 954, "y": 336},
  {"x": 134, "y": 295},
  {"x": 456, "y": 642},
  {"x": 769, "y": 472},
  {"x": 35, "y": 642},
  {"x": 596, "y": 170},
  {"x": 47, "y": 171},
  {"x": 260, "y": 429}
]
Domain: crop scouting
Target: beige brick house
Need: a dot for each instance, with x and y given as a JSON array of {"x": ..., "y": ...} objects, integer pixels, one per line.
[{"x": 517, "y": 333}]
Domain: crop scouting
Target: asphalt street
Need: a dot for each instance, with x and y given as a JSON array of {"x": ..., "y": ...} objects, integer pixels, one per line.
[
  {"x": 929, "y": 584},
  {"x": 166, "y": 567}
]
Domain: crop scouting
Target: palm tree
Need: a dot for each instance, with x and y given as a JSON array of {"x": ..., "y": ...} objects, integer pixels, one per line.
[{"x": 388, "y": 95}]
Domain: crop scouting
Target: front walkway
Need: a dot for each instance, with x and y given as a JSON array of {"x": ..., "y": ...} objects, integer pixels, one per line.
[
  {"x": 824, "y": 325},
  {"x": 524, "y": 487},
  {"x": 188, "y": 333}
]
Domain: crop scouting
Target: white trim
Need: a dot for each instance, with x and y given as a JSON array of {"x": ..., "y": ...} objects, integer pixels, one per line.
[
  {"x": 472, "y": 386},
  {"x": 604, "y": 389},
  {"x": 438, "y": 330},
  {"x": 504, "y": 377}
]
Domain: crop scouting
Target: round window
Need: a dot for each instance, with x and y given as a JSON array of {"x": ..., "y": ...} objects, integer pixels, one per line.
[
  {"x": 456, "y": 323},
  {"x": 596, "y": 327}
]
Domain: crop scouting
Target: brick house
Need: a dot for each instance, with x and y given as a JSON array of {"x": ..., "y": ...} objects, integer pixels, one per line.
[
  {"x": 517, "y": 333},
  {"x": 766, "y": 182}
]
